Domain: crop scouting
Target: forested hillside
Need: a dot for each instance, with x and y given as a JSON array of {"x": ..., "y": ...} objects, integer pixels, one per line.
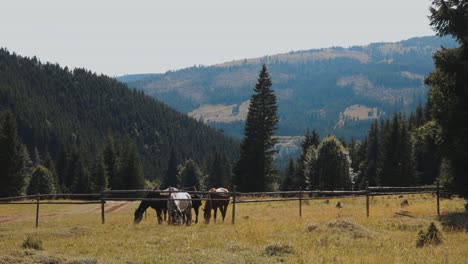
[
  {"x": 65, "y": 112},
  {"x": 334, "y": 90}
]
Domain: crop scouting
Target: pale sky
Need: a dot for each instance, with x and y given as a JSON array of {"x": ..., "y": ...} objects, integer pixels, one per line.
[{"x": 123, "y": 37}]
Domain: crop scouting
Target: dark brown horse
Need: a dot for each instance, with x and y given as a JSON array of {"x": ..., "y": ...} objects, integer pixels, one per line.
[
  {"x": 216, "y": 198},
  {"x": 196, "y": 201},
  {"x": 160, "y": 206}
]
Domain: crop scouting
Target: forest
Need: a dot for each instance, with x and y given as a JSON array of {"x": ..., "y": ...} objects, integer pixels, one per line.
[{"x": 74, "y": 121}]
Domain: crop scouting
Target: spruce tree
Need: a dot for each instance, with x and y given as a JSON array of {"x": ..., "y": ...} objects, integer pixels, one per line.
[
  {"x": 79, "y": 171},
  {"x": 99, "y": 176},
  {"x": 371, "y": 161},
  {"x": 48, "y": 162},
  {"x": 448, "y": 96},
  {"x": 112, "y": 163},
  {"x": 14, "y": 159},
  {"x": 131, "y": 171},
  {"x": 170, "y": 178},
  {"x": 255, "y": 170},
  {"x": 220, "y": 172},
  {"x": 289, "y": 177},
  {"x": 395, "y": 164}
]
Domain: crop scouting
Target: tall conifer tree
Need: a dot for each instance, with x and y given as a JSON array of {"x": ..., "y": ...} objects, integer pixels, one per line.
[
  {"x": 14, "y": 158},
  {"x": 448, "y": 96},
  {"x": 255, "y": 170}
]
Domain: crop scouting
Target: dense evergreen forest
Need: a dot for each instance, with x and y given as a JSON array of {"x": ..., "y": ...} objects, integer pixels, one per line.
[{"x": 77, "y": 120}]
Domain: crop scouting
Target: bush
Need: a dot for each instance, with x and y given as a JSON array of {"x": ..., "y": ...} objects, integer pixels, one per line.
[
  {"x": 32, "y": 242},
  {"x": 430, "y": 236}
]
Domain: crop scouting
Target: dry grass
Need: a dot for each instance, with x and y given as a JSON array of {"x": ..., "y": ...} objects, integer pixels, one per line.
[{"x": 263, "y": 233}]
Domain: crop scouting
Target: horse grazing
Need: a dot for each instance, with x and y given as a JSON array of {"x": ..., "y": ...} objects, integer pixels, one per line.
[
  {"x": 196, "y": 202},
  {"x": 179, "y": 205},
  {"x": 216, "y": 198},
  {"x": 160, "y": 206}
]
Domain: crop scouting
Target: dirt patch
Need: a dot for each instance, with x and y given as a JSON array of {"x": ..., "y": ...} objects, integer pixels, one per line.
[{"x": 9, "y": 218}]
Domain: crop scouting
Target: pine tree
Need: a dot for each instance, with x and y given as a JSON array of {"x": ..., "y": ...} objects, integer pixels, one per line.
[
  {"x": 14, "y": 159},
  {"x": 395, "y": 164},
  {"x": 99, "y": 176},
  {"x": 112, "y": 163},
  {"x": 80, "y": 174},
  {"x": 370, "y": 163},
  {"x": 289, "y": 176},
  {"x": 448, "y": 95},
  {"x": 170, "y": 178},
  {"x": 255, "y": 169},
  {"x": 42, "y": 181},
  {"x": 131, "y": 169},
  {"x": 48, "y": 162},
  {"x": 309, "y": 170},
  {"x": 301, "y": 179},
  {"x": 220, "y": 172}
]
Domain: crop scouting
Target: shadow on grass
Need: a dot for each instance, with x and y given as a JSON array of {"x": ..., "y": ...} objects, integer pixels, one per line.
[{"x": 457, "y": 221}]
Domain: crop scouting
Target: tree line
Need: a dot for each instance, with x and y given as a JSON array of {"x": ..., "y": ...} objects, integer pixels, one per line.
[
  {"x": 117, "y": 165},
  {"x": 69, "y": 115}
]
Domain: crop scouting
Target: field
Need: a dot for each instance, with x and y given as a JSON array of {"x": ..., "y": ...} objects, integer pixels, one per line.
[{"x": 263, "y": 233}]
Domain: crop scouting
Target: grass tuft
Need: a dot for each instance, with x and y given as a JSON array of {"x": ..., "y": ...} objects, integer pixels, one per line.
[
  {"x": 32, "y": 242},
  {"x": 278, "y": 250}
]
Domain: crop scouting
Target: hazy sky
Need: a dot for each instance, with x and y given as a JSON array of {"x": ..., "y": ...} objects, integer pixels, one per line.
[{"x": 123, "y": 37}]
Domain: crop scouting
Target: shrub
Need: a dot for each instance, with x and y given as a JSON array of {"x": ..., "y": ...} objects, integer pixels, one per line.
[
  {"x": 32, "y": 242},
  {"x": 430, "y": 236}
]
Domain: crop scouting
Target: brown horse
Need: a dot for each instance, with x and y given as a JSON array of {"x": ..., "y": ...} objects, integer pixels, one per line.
[{"x": 216, "y": 198}]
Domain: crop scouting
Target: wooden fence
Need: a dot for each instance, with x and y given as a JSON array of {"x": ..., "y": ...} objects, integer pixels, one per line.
[{"x": 236, "y": 197}]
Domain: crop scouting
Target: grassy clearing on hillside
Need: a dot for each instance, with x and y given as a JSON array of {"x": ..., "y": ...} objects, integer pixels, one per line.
[{"x": 263, "y": 233}]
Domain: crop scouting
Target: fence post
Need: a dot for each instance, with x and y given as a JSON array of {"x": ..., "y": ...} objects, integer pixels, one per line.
[
  {"x": 103, "y": 219},
  {"x": 169, "y": 209},
  {"x": 300, "y": 202},
  {"x": 37, "y": 209},
  {"x": 233, "y": 205},
  {"x": 367, "y": 199},
  {"x": 438, "y": 195}
]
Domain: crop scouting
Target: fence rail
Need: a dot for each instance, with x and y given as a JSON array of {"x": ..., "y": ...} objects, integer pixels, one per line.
[{"x": 235, "y": 197}]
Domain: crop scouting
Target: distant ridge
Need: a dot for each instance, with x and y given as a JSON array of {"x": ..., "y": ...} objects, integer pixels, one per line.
[{"x": 326, "y": 89}]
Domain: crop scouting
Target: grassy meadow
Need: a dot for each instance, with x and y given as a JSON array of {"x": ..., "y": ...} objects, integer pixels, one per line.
[{"x": 263, "y": 233}]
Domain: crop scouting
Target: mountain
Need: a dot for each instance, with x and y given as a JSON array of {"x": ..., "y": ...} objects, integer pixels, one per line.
[
  {"x": 57, "y": 109},
  {"x": 333, "y": 90}
]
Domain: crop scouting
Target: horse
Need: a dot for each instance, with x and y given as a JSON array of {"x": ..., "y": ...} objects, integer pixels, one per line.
[
  {"x": 216, "y": 198},
  {"x": 196, "y": 202},
  {"x": 160, "y": 206},
  {"x": 179, "y": 206}
]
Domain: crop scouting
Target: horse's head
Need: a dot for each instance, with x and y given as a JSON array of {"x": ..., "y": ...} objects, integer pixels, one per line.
[
  {"x": 138, "y": 216},
  {"x": 176, "y": 217},
  {"x": 207, "y": 215}
]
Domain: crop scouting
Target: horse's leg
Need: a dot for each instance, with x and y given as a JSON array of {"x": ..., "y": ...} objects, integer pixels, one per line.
[
  {"x": 159, "y": 215},
  {"x": 223, "y": 211},
  {"x": 165, "y": 214},
  {"x": 188, "y": 216},
  {"x": 196, "y": 214},
  {"x": 215, "y": 211}
]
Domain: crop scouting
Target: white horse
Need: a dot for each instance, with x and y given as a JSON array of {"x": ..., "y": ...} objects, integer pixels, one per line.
[{"x": 179, "y": 206}]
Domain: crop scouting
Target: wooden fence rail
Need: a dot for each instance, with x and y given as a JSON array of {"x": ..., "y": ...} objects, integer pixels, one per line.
[{"x": 235, "y": 197}]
